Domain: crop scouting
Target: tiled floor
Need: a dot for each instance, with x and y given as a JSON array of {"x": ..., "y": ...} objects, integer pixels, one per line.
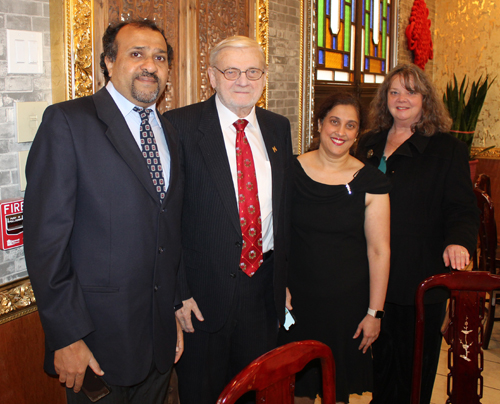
[{"x": 491, "y": 375}]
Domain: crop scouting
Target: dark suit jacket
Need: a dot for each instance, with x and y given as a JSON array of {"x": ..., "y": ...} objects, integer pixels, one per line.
[
  {"x": 101, "y": 251},
  {"x": 432, "y": 206},
  {"x": 211, "y": 232}
]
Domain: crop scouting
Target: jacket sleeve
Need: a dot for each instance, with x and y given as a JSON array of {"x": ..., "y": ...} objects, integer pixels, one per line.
[
  {"x": 49, "y": 209},
  {"x": 459, "y": 205}
]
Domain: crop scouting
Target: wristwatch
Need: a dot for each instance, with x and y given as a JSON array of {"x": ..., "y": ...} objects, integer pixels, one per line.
[{"x": 376, "y": 313}]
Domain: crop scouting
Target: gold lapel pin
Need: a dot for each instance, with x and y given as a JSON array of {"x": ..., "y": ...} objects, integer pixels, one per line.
[
  {"x": 370, "y": 153},
  {"x": 275, "y": 149}
]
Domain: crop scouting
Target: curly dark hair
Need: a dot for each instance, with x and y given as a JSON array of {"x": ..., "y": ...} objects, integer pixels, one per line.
[
  {"x": 338, "y": 98},
  {"x": 434, "y": 118},
  {"x": 110, "y": 48}
]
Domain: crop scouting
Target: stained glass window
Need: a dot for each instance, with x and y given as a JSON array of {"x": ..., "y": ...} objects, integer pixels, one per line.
[{"x": 339, "y": 38}]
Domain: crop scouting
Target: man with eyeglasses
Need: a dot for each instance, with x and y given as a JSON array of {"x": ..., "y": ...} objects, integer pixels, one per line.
[{"x": 235, "y": 223}]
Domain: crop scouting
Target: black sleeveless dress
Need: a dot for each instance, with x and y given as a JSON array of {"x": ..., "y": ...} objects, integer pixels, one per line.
[{"x": 329, "y": 277}]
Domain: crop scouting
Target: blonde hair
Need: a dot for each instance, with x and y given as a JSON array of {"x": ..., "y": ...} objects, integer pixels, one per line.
[
  {"x": 434, "y": 118},
  {"x": 236, "y": 41}
]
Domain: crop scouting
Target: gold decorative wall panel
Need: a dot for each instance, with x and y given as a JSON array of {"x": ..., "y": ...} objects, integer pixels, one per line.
[
  {"x": 78, "y": 39},
  {"x": 16, "y": 299},
  {"x": 466, "y": 42}
]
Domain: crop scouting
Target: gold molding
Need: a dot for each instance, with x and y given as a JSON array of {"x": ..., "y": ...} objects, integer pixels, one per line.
[
  {"x": 262, "y": 35},
  {"x": 79, "y": 47},
  {"x": 491, "y": 154},
  {"x": 72, "y": 50},
  {"x": 16, "y": 300},
  {"x": 307, "y": 69}
]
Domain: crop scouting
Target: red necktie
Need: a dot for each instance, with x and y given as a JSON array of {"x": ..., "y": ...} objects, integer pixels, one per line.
[{"x": 248, "y": 201}]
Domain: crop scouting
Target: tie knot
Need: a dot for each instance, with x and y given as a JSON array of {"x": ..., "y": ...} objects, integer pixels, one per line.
[
  {"x": 143, "y": 112},
  {"x": 240, "y": 124}
]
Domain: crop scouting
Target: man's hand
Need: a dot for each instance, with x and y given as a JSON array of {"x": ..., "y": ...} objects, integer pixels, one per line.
[
  {"x": 184, "y": 314},
  {"x": 71, "y": 363},
  {"x": 179, "y": 348}
]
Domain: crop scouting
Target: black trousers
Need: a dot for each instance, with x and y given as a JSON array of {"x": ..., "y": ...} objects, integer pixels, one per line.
[
  {"x": 393, "y": 353},
  {"x": 153, "y": 390},
  {"x": 211, "y": 360}
]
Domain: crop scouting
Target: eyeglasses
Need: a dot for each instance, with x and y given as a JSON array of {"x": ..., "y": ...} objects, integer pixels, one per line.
[{"x": 233, "y": 73}]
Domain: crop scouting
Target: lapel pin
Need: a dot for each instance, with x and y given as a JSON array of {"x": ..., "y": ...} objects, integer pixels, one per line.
[
  {"x": 275, "y": 149},
  {"x": 370, "y": 153}
]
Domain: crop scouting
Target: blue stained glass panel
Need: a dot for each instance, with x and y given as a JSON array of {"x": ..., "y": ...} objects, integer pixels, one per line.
[
  {"x": 367, "y": 64},
  {"x": 371, "y": 15},
  {"x": 388, "y": 18},
  {"x": 346, "y": 60},
  {"x": 383, "y": 66},
  {"x": 321, "y": 57},
  {"x": 353, "y": 10},
  {"x": 334, "y": 42},
  {"x": 328, "y": 7},
  {"x": 342, "y": 10},
  {"x": 376, "y": 51}
]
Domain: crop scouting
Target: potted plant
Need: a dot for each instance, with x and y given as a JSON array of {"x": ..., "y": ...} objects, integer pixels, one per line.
[{"x": 465, "y": 114}]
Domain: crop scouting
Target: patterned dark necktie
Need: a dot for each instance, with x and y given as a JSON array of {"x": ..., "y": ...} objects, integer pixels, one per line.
[
  {"x": 150, "y": 152},
  {"x": 248, "y": 202}
]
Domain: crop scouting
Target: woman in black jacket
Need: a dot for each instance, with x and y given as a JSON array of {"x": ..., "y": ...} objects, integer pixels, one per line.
[{"x": 434, "y": 221}]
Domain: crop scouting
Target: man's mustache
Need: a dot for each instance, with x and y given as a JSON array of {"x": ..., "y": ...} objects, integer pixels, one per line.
[{"x": 147, "y": 74}]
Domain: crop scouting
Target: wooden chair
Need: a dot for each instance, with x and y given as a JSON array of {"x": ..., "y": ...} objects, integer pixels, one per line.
[
  {"x": 485, "y": 255},
  {"x": 272, "y": 375},
  {"x": 465, "y": 334},
  {"x": 483, "y": 182}
]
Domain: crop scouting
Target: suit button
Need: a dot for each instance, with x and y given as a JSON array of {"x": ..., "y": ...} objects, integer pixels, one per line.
[
  {"x": 160, "y": 250},
  {"x": 156, "y": 288},
  {"x": 162, "y": 211},
  {"x": 237, "y": 244},
  {"x": 233, "y": 275}
]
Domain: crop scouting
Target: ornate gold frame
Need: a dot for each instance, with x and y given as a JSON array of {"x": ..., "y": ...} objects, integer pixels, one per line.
[
  {"x": 262, "y": 37},
  {"x": 306, "y": 76},
  {"x": 16, "y": 300}
]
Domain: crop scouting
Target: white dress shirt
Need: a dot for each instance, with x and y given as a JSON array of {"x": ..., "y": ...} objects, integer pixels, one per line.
[
  {"x": 261, "y": 162},
  {"x": 134, "y": 123}
]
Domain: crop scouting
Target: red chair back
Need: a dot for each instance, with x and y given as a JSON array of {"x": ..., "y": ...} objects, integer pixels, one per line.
[
  {"x": 465, "y": 355},
  {"x": 272, "y": 375}
]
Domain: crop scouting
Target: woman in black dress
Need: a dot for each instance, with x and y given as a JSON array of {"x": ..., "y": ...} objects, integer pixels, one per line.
[
  {"x": 434, "y": 221},
  {"x": 339, "y": 263}
]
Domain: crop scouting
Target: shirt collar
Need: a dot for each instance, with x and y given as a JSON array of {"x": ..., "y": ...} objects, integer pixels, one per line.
[
  {"x": 228, "y": 117},
  {"x": 124, "y": 105}
]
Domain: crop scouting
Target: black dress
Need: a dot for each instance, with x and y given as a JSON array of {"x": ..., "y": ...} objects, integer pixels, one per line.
[{"x": 329, "y": 276}]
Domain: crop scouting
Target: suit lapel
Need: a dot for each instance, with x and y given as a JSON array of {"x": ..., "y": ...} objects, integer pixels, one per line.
[
  {"x": 172, "y": 144},
  {"x": 213, "y": 149},
  {"x": 276, "y": 152},
  {"x": 119, "y": 135}
]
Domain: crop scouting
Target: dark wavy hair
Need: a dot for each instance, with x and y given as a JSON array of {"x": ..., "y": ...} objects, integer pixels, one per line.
[
  {"x": 110, "y": 48},
  {"x": 338, "y": 98},
  {"x": 434, "y": 118}
]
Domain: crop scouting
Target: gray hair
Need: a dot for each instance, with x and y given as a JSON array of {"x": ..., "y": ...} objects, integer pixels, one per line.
[{"x": 236, "y": 41}]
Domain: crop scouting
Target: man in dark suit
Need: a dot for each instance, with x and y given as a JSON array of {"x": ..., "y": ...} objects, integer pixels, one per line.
[
  {"x": 234, "y": 230},
  {"x": 102, "y": 226}
]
